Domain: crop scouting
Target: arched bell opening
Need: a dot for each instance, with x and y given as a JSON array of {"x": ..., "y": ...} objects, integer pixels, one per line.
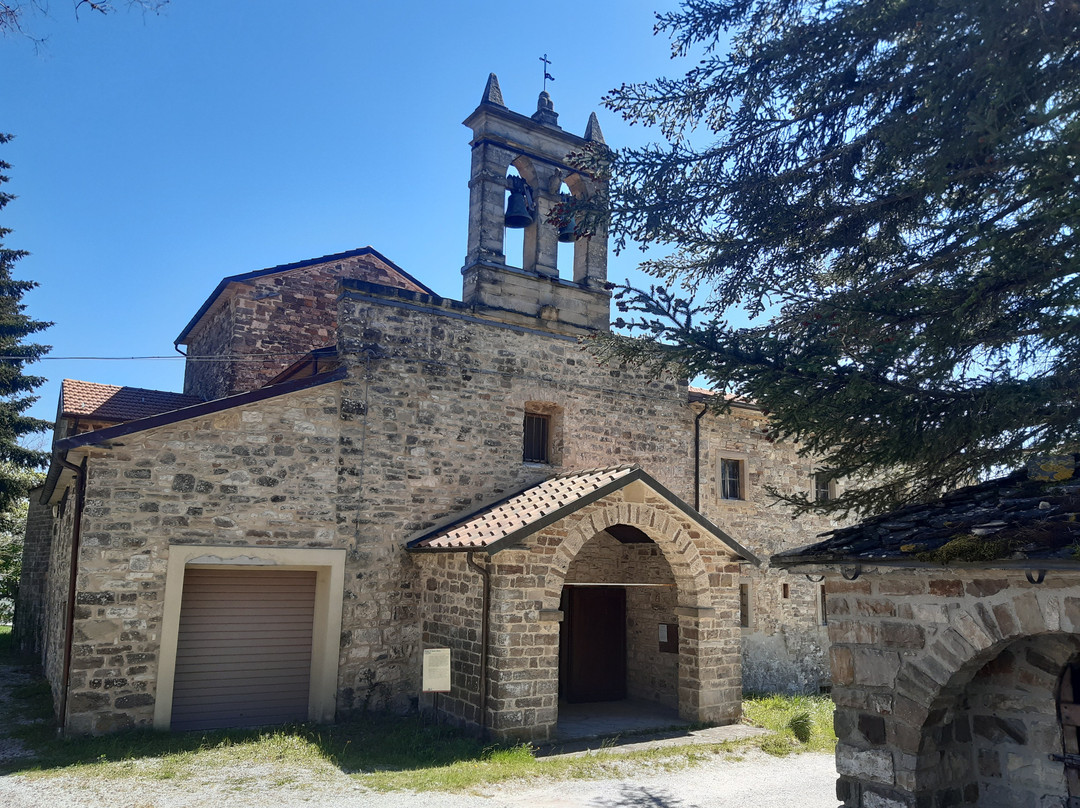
[
  {"x": 619, "y": 637},
  {"x": 566, "y": 238},
  {"x": 991, "y": 737},
  {"x": 582, "y": 268},
  {"x": 519, "y": 215}
]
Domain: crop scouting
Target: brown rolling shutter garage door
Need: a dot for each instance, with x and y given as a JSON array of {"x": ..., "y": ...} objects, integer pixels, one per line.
[{"x": 243, "y": 654}]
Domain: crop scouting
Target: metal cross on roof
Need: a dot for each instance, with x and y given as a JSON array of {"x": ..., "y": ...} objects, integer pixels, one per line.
[{"x": 547, "y": 76}]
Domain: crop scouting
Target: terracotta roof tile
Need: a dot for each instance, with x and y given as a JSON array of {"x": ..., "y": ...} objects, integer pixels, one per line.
[
  {"x": 519, "y": 511},
  {"x": 110, "y": 402},
  {"x": 701, "y": 395}
]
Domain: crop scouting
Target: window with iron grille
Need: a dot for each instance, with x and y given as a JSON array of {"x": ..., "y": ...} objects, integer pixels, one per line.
[
  {"x": 535, "y": 444},
  {"x": 731, "y": 486}
]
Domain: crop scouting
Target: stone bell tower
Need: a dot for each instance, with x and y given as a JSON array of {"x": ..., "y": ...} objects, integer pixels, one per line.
[{"x": 540, "y": 293}]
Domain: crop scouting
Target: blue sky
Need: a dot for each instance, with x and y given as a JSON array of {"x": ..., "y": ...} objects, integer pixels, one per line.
[{"x": 155, "y": 155}]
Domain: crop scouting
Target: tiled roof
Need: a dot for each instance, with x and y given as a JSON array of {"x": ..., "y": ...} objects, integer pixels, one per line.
[
  {"x": 109, "y": 402},
  {"x": 519, "y": 511},
  {"x": 701, "y": 395},
  {"x": 1008, "y": 521},
  {"x": 513, "y": 518}
]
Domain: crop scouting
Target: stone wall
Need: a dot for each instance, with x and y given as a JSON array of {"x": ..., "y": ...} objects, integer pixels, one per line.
[
  {"x": 453, "y": 607},
  {"x": 437, "y": 396},
  {"x": 261, "y": 476},
  {"x": 280, "y": 316},
  {"x": 212, "y": 337},
  {"x": 58, "y": 587},
  {"x": 428, "y": 425},
  {"x": 944, "y": 684},
  {"x": 33, "y": 581},
  {"x": 434, "y": 405},
  {"x": 785, "y": 648},
  {"x": 998, "y": 747}
]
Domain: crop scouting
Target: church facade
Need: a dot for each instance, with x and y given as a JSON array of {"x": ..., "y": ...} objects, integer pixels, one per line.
[{"x": 361, "y": 475}]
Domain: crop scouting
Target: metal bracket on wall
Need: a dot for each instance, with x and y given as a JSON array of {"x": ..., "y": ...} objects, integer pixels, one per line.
[
  {"x": 1037, "y": 578},
  {"x": 851, "y": 572}
]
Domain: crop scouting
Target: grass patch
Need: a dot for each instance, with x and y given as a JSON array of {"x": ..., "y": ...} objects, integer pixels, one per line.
[
  {"x": 367, "y": 744},
  {"x": 380, "y": 752},
  {"x": 797, "y": 723},
  {"x": 519, "y": 764}
]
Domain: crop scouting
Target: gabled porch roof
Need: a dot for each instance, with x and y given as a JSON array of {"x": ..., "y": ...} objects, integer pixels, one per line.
[{"x": 508, "y": 521}]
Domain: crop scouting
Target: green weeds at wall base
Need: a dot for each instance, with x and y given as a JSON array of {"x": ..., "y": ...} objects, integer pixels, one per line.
[{"x": 374, "y": 751}]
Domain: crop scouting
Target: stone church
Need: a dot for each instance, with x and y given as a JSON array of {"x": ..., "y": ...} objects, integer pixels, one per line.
[{"x": 360, "y": 472}]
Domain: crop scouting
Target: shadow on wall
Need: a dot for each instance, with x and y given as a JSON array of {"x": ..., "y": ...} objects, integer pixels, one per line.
[{"x": 783, "y": 663}]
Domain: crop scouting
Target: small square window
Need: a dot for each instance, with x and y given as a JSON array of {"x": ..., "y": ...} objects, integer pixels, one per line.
[
  {"x": 535, "y": 439},
  {"x": 731, "y": 479},
  {"x": 824, "y": 487}
]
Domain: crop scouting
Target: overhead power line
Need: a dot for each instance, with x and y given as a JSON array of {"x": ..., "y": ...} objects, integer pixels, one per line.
[{"x": 170, "y": 357}]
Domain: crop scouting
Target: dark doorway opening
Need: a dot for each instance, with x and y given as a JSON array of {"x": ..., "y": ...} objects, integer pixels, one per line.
[
  {"x": 1068, "y": 708},
  {"x": 592, "y": 658}
]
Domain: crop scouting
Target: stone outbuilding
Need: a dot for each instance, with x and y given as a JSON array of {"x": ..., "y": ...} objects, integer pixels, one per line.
[
  {"x": 955, "y": 631},
  {"x": 359, "y": 471}
]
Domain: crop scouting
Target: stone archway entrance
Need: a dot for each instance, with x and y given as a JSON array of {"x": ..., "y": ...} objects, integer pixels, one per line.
[
  {"x": 673, "y": 623},
  {"x": 619, "y": 651},
  {"x": 620, "y": 632}
]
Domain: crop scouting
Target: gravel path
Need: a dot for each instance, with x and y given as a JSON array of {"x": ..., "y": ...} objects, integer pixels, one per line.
[
  {"x": 756, "y": 780},
  {"x": 750, "y": 780}
]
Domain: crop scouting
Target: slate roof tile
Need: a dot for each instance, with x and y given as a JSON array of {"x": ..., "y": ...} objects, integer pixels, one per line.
[{"x": 1016, "y": 518}]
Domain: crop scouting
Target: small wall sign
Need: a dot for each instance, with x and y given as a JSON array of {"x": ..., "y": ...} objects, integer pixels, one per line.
[
  {"x": 669, "y": 638},
  {"x": 436, "y": 677}
]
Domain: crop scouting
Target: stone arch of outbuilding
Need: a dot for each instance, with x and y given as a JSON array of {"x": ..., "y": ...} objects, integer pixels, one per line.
[
  {"x": 978, "y": 633},
  {"x": 932, "y": 684},
  {"x": 668, "y": 533}
]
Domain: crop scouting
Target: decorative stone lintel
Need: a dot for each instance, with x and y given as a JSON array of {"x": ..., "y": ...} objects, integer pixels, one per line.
[
  {"x": 696, "y": 612},
  {"x": 550, "y": 616}
]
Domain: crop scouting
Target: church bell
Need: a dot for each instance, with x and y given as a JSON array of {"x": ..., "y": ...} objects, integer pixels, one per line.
[
  {"x": 567, "y": 234},
  {"x": 519, "y": 206}
]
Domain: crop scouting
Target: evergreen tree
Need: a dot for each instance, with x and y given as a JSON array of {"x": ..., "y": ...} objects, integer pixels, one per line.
[
  {"x": 13, "y": 13},
  {"x": 16, "y": 387},
  {"x": 12, "y": 530},
  {"x": 893, "y": 190}
]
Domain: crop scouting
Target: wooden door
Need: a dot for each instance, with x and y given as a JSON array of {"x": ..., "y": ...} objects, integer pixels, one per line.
[{"x": 595, "y": 646}]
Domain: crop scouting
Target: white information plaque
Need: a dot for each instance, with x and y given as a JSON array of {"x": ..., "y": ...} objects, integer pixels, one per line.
[{"x": 436, "y": 670}]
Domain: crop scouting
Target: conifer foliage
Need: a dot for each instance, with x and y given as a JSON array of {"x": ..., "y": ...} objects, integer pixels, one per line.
[
  {"x": 893, "y": 189},
  {"x": 16, "y": 387}
]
